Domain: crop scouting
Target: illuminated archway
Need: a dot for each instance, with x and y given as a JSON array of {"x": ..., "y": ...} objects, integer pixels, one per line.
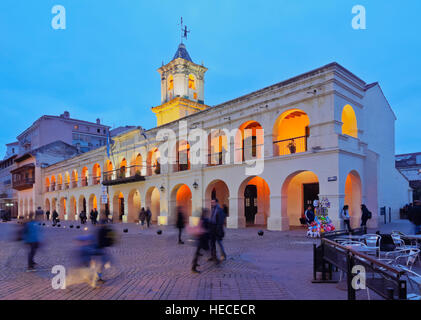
[
  {"x": 60, "y": 181},
  {"x": 118, "y": 206},
  {"x": 349, "y": 122},
  {"x": 82, "y": 205},
  {"x": 67, "y": 180},
  {"x": 47, "y": 206},
  {"x": 353, "y": 197},
  {"x": 108, "y": 174},
  {"x": 47, "y": 184},
  {"x": 96, "y": 174},
  {"x": 123, "y": 168},
  {"x": 299, "y": 190},
  {"x": 192, "y": 82},
  {"x": 136, "y": 165},
  {"x": 85, "y": 174},
  {"x": 134, "y": 205},
  {"x": 53, "y": 205},
  {"x": 254, "y": 200},
  {"x": 153, "y": 202},
  {"x": 181, "y": 196},
  {"x": 182, "y": 156},
  {"x": 153, "y": 164},
  {"x": 93, "y": 203},
  {"x": 217, "y": 189},
  {"x": 217, "y": 147},
  {"x": 74, "y": 179},
  {"x": 53, "y": 183},
  {"x": 249, "y": 141},
  {"x": 290, "y": 132}
]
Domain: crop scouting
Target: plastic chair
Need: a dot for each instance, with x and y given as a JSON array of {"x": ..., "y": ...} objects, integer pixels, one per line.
[{"x": 372, "y": 242}]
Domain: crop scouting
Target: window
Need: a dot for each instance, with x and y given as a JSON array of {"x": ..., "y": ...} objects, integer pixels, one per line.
[
  {"x": 192, "y": 82},
  {"x": 76, "y": 127},
  {"x": 170, "y": 82},
  {"x": 98, "y": 130}
]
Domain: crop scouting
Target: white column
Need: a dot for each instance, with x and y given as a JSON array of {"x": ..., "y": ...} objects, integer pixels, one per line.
[
  {"x": 236, "y": 219},
  {"x": 277, "y": 221}
]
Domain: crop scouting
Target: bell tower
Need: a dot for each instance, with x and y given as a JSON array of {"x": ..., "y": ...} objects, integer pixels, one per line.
[{"x": 182, "y": 87}]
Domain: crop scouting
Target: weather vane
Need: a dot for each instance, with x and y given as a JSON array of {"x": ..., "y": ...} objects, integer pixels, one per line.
[{"x": 184, "y": 31}]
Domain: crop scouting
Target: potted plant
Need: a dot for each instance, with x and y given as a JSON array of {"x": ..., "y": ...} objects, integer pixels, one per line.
[{"x": 292, "y": 147}]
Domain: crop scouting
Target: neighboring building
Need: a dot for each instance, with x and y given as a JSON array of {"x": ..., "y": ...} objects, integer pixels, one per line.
[
  {"x": 11, "y": 149},
  {"x": 326, "y": 134},
  {"x": 8, "y": 195},
  {"x": 82, "y": 134},
  {"x": 120, "y": 130},
  {"x": 410, "y": 166},
  {"x": 26, "y": 176}
]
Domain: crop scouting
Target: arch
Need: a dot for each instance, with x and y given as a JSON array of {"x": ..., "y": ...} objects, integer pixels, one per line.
[
  {"x": 93, "y": 203},
  {"x": 82, "y": 204},
  {"x": 134, "y": 205},
  {"x": 217, "y": 147},
  {"x": 96, "y": 174},
  {"x": 299, "y": 190},
  {"x": 60, "y": 181},
  {"x": 349, "y": 122},
  {"x": 123, "y": 168},
  {"x": 136, "y": 165},
  {"x": 47, "y": 206},
  {"x": 290, "y": 132},
  {"x": 192, "y": 82},
  {"x": 118, "y": 206},
  {"x": 170, "y": 82},
  {"x": 73, "y": 209},
  {"x": 254, "y": 200},
  {"x": 62, "y": 208},
  {"x": 153, "y": 163},
  {"x": 153, "y": 202},
  {"x": 249, "y": 140},
  {"x": 108, "y": 174},
  {"x": 182, "y": 156},
  {"x": 74, "y": 178},
  {"x": 353, "y": 197},
  {"x": 217, "y": 189},
  {"x": 53, "y": 205},
  {"x": 67, "y": 180},
  {"x": 85, "y": 175},
  {"x": 53, "y": 183},
  {"x": 47, "y": 184},
  {"x": 181, "y": 196}
]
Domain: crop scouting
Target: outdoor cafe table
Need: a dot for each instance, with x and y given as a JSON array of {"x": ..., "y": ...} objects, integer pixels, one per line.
[{"x": 350, "y": 238}]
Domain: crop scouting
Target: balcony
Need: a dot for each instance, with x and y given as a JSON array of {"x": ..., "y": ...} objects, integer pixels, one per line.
[
  {"x": 120, "y": 176},
  {"x": 290, "y": 146},
  {"x": 23, "y": 177},
  {"x": 215, "y": 159},
  {"x": 96, "y": 180}
]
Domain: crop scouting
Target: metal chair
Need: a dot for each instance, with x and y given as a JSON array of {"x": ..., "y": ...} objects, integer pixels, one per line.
[
  {"x": 410, "y": 254},
  {"x": 372, "y": 242}
]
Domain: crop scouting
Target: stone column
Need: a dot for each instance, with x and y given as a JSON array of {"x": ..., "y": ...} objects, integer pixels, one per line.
[
  {"x": 277, "y": 221},
  {"x": 163, "y": 208},
  {"x": 196, "y": 206},
  {"x": 236, "y": 219},
  {"x": 126, "y": 209}
]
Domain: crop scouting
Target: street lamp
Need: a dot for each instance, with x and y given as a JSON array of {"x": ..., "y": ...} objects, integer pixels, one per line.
[
  {"x": 162, "y": 188},
  {"x": 195, "y": 185}
]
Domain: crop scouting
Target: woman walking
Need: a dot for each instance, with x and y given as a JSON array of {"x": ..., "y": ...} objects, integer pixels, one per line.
[
  {"x": 202, "y": 238},
  {"x": 345, "y": 217}
]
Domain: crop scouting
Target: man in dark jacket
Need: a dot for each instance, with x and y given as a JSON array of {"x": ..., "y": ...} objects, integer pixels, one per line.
[
  {"x": 55, "y": 216},
  {"x": 415, "y": 216},
  {"x": 180, "y": 224},
  {"x": 216, "y": 230},
  {"x": 365, "y": 215}
]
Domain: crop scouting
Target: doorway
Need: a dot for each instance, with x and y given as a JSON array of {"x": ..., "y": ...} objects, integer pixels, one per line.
[
  {"x": 250, "y": 203},
  {"x": 310, "y": 193}
]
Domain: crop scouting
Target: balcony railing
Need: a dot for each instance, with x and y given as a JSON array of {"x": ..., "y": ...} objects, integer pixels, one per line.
[
  {"x": 250, "y": 152},
  {"x": 290, "y": 146},
  {"x": 53, "y": 187},
  {"x": 84, "y": 181},
  {"x": 215, "y": 159},
  {"x": 96, "y": 180},
  {"x": 23, "y": 184},
  {"x": 182, "y": 166},
  {"x": 74, "y": 183},
  {"x": 119, "y": 176},
  {"x": 66, "y": 185}
]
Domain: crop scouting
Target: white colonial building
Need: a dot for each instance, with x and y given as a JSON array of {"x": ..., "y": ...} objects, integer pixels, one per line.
[{"x": 325, "y": 133}]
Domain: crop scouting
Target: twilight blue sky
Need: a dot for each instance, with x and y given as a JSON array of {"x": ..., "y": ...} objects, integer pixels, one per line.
[{"x": 104, "y": 64}]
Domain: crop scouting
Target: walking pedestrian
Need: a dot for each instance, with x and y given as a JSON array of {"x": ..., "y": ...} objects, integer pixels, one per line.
[
  {"x": 95, "y": 216},
  {"x": 142, "y": 217},
  {"x": 345, "y": 217},
  {"x": 148, "y": 217},
  {"x": 202, "y": 235},
  {"x": 365, "y": 215},
  {"x": 32, "y": 238},
  {"x": 55, "y": 217},
  {"x": 180, "y": 223},
  {"x": 47, "y": 214},
  {"x": 91, "y": 216},
  {"x": 216, "y": 232}
]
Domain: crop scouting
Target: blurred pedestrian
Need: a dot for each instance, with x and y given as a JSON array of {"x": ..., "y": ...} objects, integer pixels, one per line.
[
  {"x": 309, "y": 214},
  {"x": 47, "y": 214},
  {"x": 39, "y": 213},
  {"x": 202, "y": 236},
  {"x": 55, "y": 217},
  {"x": 148, "y": 217},
  {"x": 92, "y": 216},
  {"x": 180, "y": 224},
  {"x": 142, "y": 217},
  {"x": 216, "y": 231},
  {"x": 32, "y": 237},
  {"x": 95, "y": 216}
]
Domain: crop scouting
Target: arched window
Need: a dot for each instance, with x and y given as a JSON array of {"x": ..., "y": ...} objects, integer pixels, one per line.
[
  {"x": 108, "y": 174},
  {"x": 123, "y": 166},
  {"x": 47, "y": 184},
  {"x": 192, "y": 82},
  {"x": 74, "y": 178},
  {"x": 96, "y": 174},
  {"x": 85, "y": 174},
  {"x": 349, "y": 122},
  {"x": 170, "y": 83}
]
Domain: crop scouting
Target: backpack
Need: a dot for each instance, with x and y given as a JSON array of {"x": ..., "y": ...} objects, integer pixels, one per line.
[{"x": 369, "y": 214}]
